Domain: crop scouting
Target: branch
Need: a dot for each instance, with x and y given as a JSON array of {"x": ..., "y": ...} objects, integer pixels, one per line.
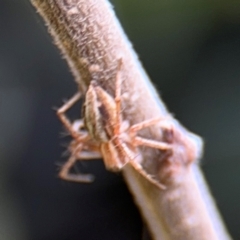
[{"x": 92, "y": 41}]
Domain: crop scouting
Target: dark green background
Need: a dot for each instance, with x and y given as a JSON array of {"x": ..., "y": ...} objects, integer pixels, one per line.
[{"x": 190, "y": 49}]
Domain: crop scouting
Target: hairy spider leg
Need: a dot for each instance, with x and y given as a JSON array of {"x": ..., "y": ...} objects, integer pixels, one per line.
[
  {"x": 84, "y": 149},
  {"x": 140, "y": 141},
  {"x": 64, "y": 119},
  {"x": 76, "y": 155},
  {"x": 137, "y": 166}
]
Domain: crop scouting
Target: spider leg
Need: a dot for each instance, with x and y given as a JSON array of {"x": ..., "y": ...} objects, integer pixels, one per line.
[
  {"x": 137, "y": 166},
  {"x": 147, "y": 123},
  {"x": 140, "y": 170},
  {"x": 64, "y": 119},
  {"x": 113, "y": 159},
  {"x": 140, "y": 141},
  {"x": 79, "y": 154},
  {"x": 82, "y": 148},
  {"x": 65, "y": 175}
]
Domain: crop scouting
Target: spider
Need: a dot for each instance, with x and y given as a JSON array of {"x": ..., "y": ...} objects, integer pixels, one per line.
[{"x": 103, "y": 133}]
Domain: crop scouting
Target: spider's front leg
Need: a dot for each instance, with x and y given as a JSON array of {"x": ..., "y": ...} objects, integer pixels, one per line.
[
  {"x": 79, "y": 151},
  {"x": 81, "y": 148},
  {"x": 61, "y": 113}
]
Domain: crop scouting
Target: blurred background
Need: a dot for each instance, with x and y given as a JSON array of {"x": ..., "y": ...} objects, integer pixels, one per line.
[{"x": 190, "y": 49}]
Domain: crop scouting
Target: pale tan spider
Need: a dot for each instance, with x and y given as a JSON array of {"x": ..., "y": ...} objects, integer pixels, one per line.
[{"x": 103, "y": 133}]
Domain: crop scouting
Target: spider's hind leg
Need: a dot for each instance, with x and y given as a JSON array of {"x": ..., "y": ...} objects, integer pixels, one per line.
[
  {"x": 78, "y": 153},
  {"x": 141, "y": 141},
  {"x": 140, "y": 170},
  {"x": 138, "y": 167},
  {"x": 66, "y": 175}
]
